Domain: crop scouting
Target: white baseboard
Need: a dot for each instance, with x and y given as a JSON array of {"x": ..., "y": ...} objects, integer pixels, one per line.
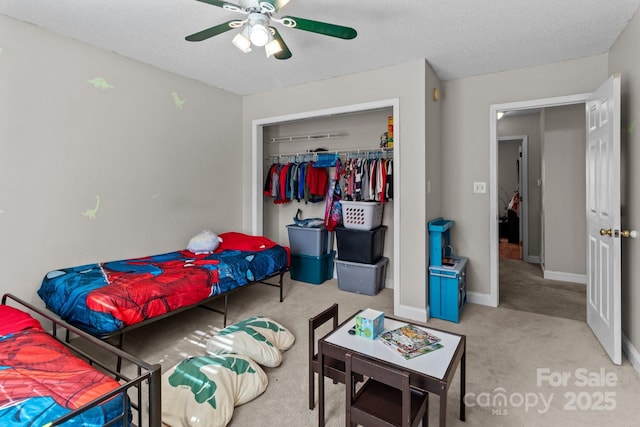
[
  {"x": 420, "y": 314},
  {"x": 410, "y": 312},
  {"x": 533, "y": 259},
  {"x": 479, "y": 298},
  {"x": 565, "y": 277},
  {"x": 388, "y": 283},
  {"x": 631, "y": 352}
]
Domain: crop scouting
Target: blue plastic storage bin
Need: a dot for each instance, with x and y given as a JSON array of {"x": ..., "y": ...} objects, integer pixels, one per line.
[{"x": 312, "y": 269}]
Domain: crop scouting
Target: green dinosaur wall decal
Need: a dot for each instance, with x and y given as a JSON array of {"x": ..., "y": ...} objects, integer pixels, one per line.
[
  {"x": 247, "y": 325},
  {"x": 100, "y": 83},
  {"x": 189, "y": 373},
  {"x": 91, "y": 212},
  {"x": 178, "y": 102}
]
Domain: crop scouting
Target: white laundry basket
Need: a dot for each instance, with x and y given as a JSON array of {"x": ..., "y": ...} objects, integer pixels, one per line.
[{"x": 361, "y": 215}]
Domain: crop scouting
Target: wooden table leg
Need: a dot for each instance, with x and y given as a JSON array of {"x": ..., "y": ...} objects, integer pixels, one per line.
[
  {"x": 443, "y": 408},
  {"x": 320, "y": 385},
  {"x": 463, "y": 382}
]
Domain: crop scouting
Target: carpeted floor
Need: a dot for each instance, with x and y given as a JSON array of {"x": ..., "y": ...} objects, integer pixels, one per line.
[
  {"x": 510, "y": 355},
  {"x": 522, "y": 287}
]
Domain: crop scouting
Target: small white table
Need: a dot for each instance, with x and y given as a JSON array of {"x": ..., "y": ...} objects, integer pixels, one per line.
[{"x": 431, "y": 372}]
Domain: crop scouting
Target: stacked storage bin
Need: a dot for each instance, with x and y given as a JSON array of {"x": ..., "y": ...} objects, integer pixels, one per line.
[
  {"x": 311, "y": 254},
  {"x": 360, "y": 265},
  {"x": 447, "y": 273}
]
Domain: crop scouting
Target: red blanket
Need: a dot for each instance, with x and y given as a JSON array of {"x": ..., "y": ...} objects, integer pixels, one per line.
[{"x": 14, "y": 320}]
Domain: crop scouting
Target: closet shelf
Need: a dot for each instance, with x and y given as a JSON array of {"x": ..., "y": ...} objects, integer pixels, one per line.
[
  {"x": 309, "y": 137},
  {"x": 355, "y": 152}
]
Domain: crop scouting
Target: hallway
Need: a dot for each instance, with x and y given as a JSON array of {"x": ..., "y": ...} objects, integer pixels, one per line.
[{"x": 523, "y": 288}]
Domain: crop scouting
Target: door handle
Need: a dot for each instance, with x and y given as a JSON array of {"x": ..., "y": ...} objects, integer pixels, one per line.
[
  {"x": 624, "y": 233},
  {"x": 629, "y": 233}
]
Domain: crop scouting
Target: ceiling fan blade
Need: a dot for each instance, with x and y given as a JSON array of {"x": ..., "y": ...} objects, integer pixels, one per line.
[
  {"x": 213, "y": 31},
  {"x": 285, "y": 53},
  {"x": 319, "y": 27},
  {"x": 223, "y": 4}
]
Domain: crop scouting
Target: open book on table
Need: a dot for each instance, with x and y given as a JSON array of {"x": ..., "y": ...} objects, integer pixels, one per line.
[{"x": 410, "y": 341}]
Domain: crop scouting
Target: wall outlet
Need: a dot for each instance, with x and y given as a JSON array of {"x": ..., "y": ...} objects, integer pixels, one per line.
[{"x": 479, "y": 187}]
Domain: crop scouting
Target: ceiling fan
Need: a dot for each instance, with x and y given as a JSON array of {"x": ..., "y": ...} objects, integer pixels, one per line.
[{"x": 257, "y": 31}]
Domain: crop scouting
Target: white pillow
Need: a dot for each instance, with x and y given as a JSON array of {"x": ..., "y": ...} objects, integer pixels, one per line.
[
  {"x": 260, "y": 338},
  {"x": 204, "y": 242},
  {"x": 203, "y": 391}
]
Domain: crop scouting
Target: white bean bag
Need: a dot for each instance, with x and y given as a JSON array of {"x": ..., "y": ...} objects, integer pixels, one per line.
[
  {"x": 260, "y": 338},
  {"x": 203, "y": 391}
]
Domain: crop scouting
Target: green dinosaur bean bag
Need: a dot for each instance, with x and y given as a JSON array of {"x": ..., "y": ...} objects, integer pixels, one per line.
[
  {"x": 260, "y": 338},
  {"x": 203, "y": 391}
]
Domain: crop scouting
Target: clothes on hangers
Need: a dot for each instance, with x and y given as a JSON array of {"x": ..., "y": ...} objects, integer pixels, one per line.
[
  {"x": 365, "y": 176},
  {"x": 296, "y": 181},
  {"x": 317, "y": 183},
  {"x": 368, "y": 179},
  {"x": 388, "y": 189}
]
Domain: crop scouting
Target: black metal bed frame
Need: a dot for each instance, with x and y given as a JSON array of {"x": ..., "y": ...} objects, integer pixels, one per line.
[
  {"x": 147, "y": 377},
  {"x": 119, "y": 335}
]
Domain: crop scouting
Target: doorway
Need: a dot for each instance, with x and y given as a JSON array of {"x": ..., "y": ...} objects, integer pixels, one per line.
[
  {"x": 495, "y": 203},
  {"x": 513, "y": 161},
  {"x": 557, "y": 144}
]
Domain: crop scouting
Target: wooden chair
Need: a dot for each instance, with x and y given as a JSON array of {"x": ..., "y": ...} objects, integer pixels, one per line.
[
  {"x": 385, "y": 399},
  {"x": 333, "y": 368}
]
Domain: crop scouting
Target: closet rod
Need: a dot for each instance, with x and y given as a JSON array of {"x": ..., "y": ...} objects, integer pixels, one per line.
[{"x": 356, "y": 152}]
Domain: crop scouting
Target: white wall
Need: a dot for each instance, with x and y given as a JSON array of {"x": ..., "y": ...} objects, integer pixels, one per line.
[
  {"x": 565, "y": 191},
  {"x": 156, "y": 168},
  {"x": 624, "y": 59},
  {"x": 465, "y": 145},
  {"x": 508, "y": 156},
  {"x": 409, "y": 83}
]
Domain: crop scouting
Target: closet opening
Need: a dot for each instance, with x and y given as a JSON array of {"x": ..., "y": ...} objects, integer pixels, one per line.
[{"x": 346, "y": 132}]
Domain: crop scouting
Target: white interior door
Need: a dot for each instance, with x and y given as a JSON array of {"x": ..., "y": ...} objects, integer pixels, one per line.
[{"x": 603, "y": 213}]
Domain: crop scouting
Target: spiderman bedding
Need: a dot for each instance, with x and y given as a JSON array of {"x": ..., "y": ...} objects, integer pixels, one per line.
[
  {"x": 41, "y": 380},
  {"x": 104, "y": 298}
]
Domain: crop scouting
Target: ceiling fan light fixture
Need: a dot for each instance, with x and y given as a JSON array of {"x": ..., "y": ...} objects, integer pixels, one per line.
[
  {"x": 242, "y": 42},
  {"x": 272, "y": 48},
  {"x": 259, "y": 35}
]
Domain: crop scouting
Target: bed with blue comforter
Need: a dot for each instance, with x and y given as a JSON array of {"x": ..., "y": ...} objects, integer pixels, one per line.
[{"x": 105, "y": 298}]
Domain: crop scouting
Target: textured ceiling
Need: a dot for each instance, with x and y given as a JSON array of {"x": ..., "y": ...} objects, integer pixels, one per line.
[{"x": 459, "y": 38}]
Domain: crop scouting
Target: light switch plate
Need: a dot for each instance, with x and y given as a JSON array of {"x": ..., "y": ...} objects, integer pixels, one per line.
[{"x": 479, "y": 187}]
